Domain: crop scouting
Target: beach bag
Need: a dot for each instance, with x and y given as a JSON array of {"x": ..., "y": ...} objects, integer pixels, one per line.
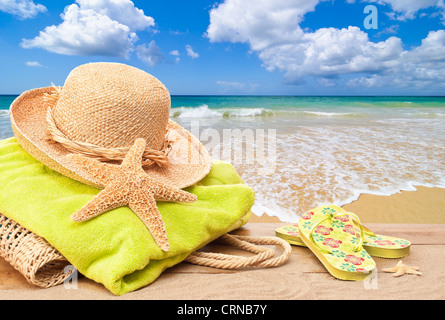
[
  {"x": 99, "y": 170},
  {"x": 116, "y": 249}
]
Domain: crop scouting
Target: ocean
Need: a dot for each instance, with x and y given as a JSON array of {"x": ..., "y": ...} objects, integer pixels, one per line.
[{"x": 301, "y": 152}]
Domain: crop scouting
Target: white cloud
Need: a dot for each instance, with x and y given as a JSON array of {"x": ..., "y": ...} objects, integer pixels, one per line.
[
  {"x": 176, "y": 54},
  {"x": 326, "y": 54},
  {"x": 329, "y": 52},
  {"x": 99, "y": 27},
  {"x": 33, "y": 64},
  {"x": 122, "y": 11},
  {"x": 190, "y": 52},
  {"x": 432, "y": 48},
  {"x": 150, "y": 54},
  {"x": 422, "y": 67},
  {"x": 24, "y": 9},
  {"x": 261, "y": 23},
  {"x": 231, "y": 85},
  {"x": 389, "y": 30},
  {"x": 326, "y": 82},
  {"x": 368, "y": 82},
  {"x": 403, "y": 10},
  {"x": 178, "y": 33},
  {"x": 407, "y": 9},
  {"x": 426, "y": 64}
]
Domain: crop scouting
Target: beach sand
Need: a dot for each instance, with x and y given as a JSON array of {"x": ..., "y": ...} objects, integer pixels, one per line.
[{"x": 423, "y": 206}]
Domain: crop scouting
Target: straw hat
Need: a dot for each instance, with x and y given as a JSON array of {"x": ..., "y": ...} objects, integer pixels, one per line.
[{"x": 99, "y": 112}]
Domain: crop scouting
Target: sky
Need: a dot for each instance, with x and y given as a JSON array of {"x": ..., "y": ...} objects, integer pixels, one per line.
[{"x": 232, "y": 47}]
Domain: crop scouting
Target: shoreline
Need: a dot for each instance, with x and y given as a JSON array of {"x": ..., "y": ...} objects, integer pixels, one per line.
[{"x": 425, "y": 205}]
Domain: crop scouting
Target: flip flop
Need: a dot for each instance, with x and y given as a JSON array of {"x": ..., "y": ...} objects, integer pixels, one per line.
[
  {"x": 340, "y": 251},
  {"x": 376, "y": 245}
]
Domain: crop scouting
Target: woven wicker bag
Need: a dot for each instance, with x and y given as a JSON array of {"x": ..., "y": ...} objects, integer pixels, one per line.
[
  {"x": 43, "y": 266},
  {"x": 31, "y": 255}
]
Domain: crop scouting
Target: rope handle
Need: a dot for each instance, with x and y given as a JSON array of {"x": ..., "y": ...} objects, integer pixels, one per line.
[{"x": 263, "y": 256}]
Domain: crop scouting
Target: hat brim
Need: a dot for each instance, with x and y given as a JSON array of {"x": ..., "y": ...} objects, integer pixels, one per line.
[{"x": 189, "y": 161}]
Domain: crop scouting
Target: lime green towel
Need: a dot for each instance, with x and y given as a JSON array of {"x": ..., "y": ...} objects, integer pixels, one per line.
[{"x": 115, "y": 248}]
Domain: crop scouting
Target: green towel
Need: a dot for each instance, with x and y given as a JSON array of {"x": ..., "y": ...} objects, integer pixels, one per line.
[{"x": 115, "y": 248}]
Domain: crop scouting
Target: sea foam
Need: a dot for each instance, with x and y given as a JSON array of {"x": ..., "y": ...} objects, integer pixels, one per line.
[
  {"x": 204, "y": 111},
  {"x": 335, "y": 164}
]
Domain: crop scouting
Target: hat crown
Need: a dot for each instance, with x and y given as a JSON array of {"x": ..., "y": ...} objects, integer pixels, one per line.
[{"x": 111, "y": 105}]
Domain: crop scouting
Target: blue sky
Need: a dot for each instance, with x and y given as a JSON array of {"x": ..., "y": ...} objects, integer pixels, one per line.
[{"x": 279, "y": 47}]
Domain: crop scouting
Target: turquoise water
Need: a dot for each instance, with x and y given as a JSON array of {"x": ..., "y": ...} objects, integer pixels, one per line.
[
  {"x": 5, "y": 126},
  {"x": 5, "y": 101},
  {"x": 238, "y": 106},
  {"x": 301, "y": 152},
  {"x": 306, "y": 109},
  {"x": 280, "y": 102}
]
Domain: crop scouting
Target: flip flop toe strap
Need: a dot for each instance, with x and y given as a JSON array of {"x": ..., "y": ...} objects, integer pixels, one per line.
[{"x": 331, "y": 216}]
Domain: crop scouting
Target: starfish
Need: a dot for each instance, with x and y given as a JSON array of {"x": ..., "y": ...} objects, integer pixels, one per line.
[
  {"x": 128, "y": 184},
  {"x": 400, "y": 269}
]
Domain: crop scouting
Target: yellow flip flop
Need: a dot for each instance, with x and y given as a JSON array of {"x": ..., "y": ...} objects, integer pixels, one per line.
[
  {"x": 376, "y": 245},
  {"x": 340, "y": 251},
  {"x": 291, "y": 234}
]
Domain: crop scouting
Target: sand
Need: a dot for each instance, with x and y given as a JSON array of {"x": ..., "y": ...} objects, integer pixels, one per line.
[{"x": 423, "y": 206}]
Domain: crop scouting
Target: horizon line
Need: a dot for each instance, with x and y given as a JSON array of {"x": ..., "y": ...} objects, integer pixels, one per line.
[{"x": 289, "y": 95}]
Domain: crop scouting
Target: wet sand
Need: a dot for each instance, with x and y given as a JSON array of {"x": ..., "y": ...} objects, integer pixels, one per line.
[{"x": 423, "y": 206}]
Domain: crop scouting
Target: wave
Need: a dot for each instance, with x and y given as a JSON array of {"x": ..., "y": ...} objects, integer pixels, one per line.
[
  {"x": 332, "y": 114},
  {"x": 204, "y": 111},
  {"x": 429, "y": 115},
  {"x": 4, "y": 113}
]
